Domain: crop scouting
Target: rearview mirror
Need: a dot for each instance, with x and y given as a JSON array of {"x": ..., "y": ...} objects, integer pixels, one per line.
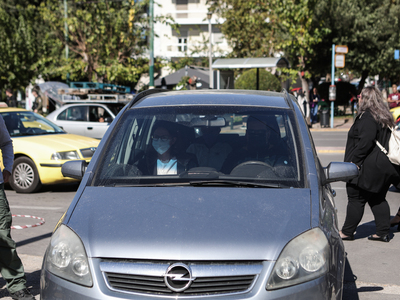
[
  {"x": 340, "y": 171},
  {"x": 207, "y": 122},
  {"x": 74, "y": 169}
]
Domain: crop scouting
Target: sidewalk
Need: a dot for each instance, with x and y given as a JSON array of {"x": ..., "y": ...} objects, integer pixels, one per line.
[{"x": 340, "y": 123}]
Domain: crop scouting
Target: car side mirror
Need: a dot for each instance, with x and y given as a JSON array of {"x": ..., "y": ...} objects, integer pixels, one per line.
[
  {"x": 340, "y": 171},
  {"x": 108, "y": 120},
  {"x": 74, "y": 169}
]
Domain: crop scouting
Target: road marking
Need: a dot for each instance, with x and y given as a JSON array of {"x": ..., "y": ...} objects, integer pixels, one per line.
[
  {"x": 35, "y": 207},
  {"x": 329, "y": 151}
]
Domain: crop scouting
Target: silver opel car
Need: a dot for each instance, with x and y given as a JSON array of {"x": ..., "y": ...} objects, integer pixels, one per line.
[{"x": 201, "y": 194}]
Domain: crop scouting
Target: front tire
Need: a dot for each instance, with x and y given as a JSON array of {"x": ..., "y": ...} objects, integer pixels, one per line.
[{"x": 25, "y": 177}]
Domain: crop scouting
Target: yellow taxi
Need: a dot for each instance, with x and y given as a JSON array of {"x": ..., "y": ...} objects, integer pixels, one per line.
[{"x": 41, "y": 148}]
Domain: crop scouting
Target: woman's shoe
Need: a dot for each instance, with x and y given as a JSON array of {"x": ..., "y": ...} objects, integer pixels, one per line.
[
  {"x": 384, "y": 238},
  {"x": 346, "y": 237},
  {"x": 394, "y": 223}
]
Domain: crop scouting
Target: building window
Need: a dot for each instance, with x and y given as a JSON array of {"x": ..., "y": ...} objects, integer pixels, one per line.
[{"x": 182, "y": 44}]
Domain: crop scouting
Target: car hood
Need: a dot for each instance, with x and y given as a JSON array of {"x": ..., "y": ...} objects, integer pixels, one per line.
[
  {"x": 58, "y": 142},
  {"x": 190, "y": 223}
]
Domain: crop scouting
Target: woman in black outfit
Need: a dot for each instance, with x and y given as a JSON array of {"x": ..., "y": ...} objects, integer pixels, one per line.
[{"x": 376, "y": 174}]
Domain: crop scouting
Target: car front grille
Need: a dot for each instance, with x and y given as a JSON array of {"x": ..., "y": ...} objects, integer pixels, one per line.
[
  {"x": 207, "y": 278},
  {"x": 88, "y": 152}
]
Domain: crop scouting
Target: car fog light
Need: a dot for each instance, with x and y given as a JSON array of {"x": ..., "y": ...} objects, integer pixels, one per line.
[
  {"x": 80, "y": 266},
  {"x": 311, "y": 260},
  {"x": 287, "y": 268}
]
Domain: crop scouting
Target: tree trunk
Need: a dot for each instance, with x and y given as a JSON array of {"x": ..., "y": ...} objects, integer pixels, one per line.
[
  {"x": 362, "y": 81},
  {"x": 304, "y": 86}
]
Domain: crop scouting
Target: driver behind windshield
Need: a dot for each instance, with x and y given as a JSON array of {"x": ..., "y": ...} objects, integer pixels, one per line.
[
  {"x": 164, "y": 157},
  {"x": 263, "y": 143}
]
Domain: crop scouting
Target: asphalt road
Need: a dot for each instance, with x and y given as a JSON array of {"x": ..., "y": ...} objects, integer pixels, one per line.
[{"x": 371, "y": 267}]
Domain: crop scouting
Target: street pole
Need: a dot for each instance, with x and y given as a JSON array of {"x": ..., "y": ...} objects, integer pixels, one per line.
[
  {"x": 333, "y": 82},
  {"x": 66, "y": 34},
  {"x": 211, "y": 82},
  {"x": 151, "y": 69}
]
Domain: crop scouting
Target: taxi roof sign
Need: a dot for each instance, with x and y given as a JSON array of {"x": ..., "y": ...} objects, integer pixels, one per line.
[{"x": 341, "y": 49}]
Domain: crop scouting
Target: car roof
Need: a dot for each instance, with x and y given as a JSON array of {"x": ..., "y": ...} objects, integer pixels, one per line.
[
  {"x": 82, "y": 104},
  {"x": 12, "y": 109},
  {"x": 212, "y": 97}
]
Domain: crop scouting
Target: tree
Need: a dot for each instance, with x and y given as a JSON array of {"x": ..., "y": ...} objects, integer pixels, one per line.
[
  {"x": 20, "y": 42},
  {"x": 106, "y": 39},
  {"x": 370, "y": 30},
  {"x": 297, "y": 33},
  {"x": 247, "y": 26}
]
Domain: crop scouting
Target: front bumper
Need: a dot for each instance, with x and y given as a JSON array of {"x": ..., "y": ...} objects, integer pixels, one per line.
[{"x": 53, "y": 287}]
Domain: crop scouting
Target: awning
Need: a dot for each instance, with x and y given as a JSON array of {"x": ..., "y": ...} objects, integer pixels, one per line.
[{"x": 251, "y": 63}]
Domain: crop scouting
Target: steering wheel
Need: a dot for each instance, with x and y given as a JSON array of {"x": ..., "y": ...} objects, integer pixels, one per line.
[
  {"x": 251, "y": 168},
  {"x": 30, "y": 130}
]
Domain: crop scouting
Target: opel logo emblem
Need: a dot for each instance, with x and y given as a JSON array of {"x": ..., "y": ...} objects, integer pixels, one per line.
[{"x": 178, "y": 277}]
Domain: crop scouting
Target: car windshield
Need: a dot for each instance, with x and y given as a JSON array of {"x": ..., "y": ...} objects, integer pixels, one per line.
[
  {"x": 26, "y": 123},
  {"x": 203, "y": 146}
]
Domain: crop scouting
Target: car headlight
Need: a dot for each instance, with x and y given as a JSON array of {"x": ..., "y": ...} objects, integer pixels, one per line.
[
  {"x": 67, "y": 155},
  {"x": 304, "y": 258},
  {"x": 66, "y": 257}
]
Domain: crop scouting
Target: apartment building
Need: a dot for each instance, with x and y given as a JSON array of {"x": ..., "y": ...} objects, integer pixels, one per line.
[{"x": 193, "y": 35}]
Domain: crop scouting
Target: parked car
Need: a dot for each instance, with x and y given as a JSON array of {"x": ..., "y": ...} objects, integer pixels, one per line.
[
  {"x": 87, "y": 119},
  {"x": 201, "y": 194},
  {"x": 40, "y": 149}
]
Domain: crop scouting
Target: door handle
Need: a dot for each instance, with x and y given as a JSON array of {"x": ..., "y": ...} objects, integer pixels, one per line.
[{"x": 90, "y": 128}]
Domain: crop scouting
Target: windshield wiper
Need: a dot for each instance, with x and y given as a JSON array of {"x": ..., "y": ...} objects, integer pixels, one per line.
[{"x": 235, "y": 183}]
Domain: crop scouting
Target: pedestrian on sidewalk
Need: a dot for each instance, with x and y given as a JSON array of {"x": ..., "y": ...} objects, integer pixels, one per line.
[
  {"x": 394, "y": 97},
  {"x": 376, "y": 172},
  {"x": 37, "y": 106},
  {"x": 11, "y": 267},
  {"x": 11, "y": 100},
  {"x": 314, "y": 100}
]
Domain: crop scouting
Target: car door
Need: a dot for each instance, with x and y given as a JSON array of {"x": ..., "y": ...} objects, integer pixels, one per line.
[
  {"x": 73, "y": 119},
  {"x": 99, "y": 121}
]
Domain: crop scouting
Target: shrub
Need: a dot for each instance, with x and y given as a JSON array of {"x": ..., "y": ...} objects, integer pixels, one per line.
[{"x": 267, "y": 81}]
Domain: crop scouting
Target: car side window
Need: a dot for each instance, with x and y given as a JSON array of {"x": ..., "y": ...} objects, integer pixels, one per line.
[
  {"x": 77, "y": 113},
  {"x": 62, "y": 116},
  {"x": 98, "y": 114}
]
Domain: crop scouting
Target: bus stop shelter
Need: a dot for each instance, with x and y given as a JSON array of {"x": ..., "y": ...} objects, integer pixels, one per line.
[{"x": 251, "y": 63}]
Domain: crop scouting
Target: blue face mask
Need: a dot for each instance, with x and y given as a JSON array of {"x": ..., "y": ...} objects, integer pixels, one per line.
[{"x": 161, "y": 146}]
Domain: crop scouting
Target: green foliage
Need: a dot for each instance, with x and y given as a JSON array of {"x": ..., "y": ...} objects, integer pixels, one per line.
[
  {"x": 105, "y": 39},
  {"x": 182, "y": 84},
  {"x": 267, "y": 81},
  {"x": 370, "y": 30},
  {"x": 20, "y": 42},
  {"x": 298, "y": 31},
  {"x": 248, "y": 26}
]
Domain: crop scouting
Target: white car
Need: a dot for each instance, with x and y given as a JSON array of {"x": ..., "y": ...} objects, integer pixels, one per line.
[{"x": 87, "y": 119}]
